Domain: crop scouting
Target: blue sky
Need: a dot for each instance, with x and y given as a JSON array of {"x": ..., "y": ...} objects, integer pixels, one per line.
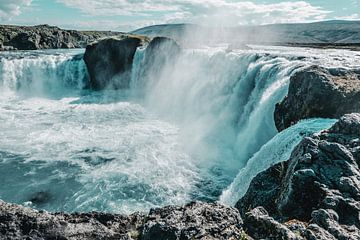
[{"x": 131, "y": 14}]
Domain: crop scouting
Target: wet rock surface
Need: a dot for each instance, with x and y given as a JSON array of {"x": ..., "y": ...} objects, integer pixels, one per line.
[
  {"x": 193, "y": 221},
  {"x": 260, "y": 225},
  {"x": 17, "y": 222},
  {"x": 319, "y": 187},
  {"x": 109, "y": 62},
  {"x": 319, "y": 92},
  {"x": 48, "y": 37}
]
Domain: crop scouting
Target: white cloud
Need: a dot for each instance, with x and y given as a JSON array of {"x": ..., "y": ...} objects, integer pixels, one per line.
[
  {"x": 11, "y": 8},
  {"x": 354, "y": 16},
  {"x": 221, "y": 12}
]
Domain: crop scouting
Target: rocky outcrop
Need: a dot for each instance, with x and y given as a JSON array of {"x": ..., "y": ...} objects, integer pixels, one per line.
[
  {"x": 192, "y": 221},
  {"x": 49, "y": 37},
  {"x": 319, "y": 92},
  {"x": 109, "y": 62},
  {"x": 260, "y": 225},
  {"x": 17, "y": 222},
  {"x": 319, "y": 187}
]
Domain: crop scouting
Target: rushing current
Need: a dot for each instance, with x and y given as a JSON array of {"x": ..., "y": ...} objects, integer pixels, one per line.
[{"x": 200, "y": 131}]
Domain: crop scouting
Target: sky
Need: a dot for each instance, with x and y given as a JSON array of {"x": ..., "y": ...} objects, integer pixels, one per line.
[{"x": 126, "y": 15}]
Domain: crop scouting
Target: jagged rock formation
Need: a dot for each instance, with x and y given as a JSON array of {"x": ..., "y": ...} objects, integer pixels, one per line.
[
  {"x": 319, "y": 92},
  {"x": 192, "y": 221},
  {"x": 319, "y": 187},
  {"x": 260, "y": 225},
  {"x": 160, "y": 51},
  {"x": 48, "y": 37},
  {"x": 17, "y": 222}
]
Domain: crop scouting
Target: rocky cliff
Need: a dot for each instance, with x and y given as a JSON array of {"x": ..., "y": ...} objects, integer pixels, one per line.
[
  {"x": 319, "y": 92},
  {"x": 48, "y": 37},
  {"x": 315, "y": 194}
]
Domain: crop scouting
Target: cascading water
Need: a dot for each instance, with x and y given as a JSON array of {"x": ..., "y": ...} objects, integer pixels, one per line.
[
  {"x": 42, "y": 73},
  {"x": 223, "y": 104},
  {"x": 276, "y": 150},
  {"x": 169, "y": 139}
]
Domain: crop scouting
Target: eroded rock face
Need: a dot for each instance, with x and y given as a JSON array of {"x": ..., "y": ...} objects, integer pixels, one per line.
[
  {"x": 193, "y": 221},
  {"x": 17, "y": 222},
  {"x": 319, "y": 92},
  {"x": 260, "y": 225},
  {"x": 318, "y": 186},
  {"x": 109, "y": 62}
]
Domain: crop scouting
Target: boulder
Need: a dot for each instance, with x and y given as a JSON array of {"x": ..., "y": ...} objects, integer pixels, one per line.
[
  {"x": 195, "y": 220},
  {"x": 319, "y": 185},
  {"x": 259, "y": 225},
  {"x": 267, "y": 185},
  {"x": 319, "y": 92},
  {"x": 109, "y": 62}
]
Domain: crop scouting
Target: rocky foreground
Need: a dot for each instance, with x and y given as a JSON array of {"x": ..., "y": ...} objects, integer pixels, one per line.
[
  {"x": 313, "y": 195},
  {"x": 48, "y": 37}
]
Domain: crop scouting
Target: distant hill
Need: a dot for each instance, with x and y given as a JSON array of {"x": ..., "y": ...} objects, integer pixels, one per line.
[{"x": 327, "y": 32}]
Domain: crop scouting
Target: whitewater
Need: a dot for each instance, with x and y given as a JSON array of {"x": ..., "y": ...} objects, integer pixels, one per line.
[{"x": 200, "y": 130}]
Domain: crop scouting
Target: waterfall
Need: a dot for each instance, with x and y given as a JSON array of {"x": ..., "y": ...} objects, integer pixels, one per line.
[
  {"x": 276, "y": 150},
  {"x": 197, "y": 127},
  {"x": 37, "y": 73},
  {"x": 222, "y": 102}
]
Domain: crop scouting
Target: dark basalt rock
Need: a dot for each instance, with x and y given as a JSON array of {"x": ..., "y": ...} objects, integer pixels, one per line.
[
  {"x": 48, "y": 37},
  {"x": 193, "y": 221},
  {"x": 17, "y": 222},
  {"x": 109, "y": 62},
  {"x": 267, "y": 185},
  {"x": 260, "y": 225},
  {"x": 319, "y": 185},
  {"x": 319, "y": 92}
]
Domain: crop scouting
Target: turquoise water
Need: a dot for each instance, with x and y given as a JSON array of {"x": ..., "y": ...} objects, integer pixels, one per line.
[{"x": 183, "y": 135}]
